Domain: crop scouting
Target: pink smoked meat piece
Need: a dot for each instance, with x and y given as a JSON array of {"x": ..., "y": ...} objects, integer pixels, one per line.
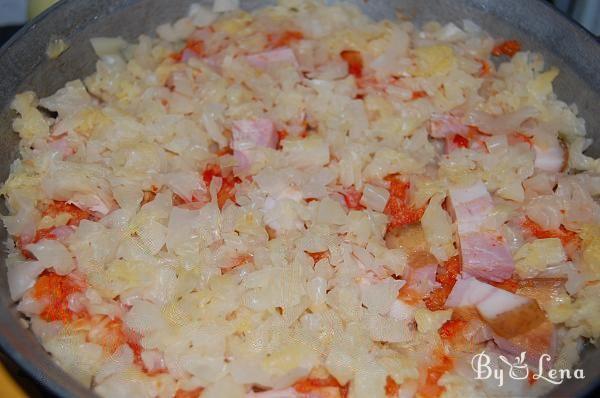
[
  {"x": 250, "y": 134},
  {"x": 518, "y": 323},
  {"x": 484, "y": 252},
  {"x": 422, "y": 279}
]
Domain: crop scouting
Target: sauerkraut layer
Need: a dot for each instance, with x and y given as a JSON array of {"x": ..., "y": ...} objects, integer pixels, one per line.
[{"x": 302, "y": 202}]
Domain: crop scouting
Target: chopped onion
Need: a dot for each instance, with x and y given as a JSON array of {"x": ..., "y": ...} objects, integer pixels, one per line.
[{"x": 107, "y": 45}]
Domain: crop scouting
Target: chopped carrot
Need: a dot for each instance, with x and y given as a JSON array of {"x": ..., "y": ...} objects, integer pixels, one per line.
[
  {"x": 281, "y": 135},
  {"x": 523, "y": 138},
  {"x": 308, "y": 385},
  {"x": 318, "y": 256},
  {"x": 354, "y": 61},
  {"x": 486, "y": 68},
  {"x": 431, "y": 389},
  {"x": 227, "y": 191},
  {"x": 57, "y": 289},
  {"x": 44, "y": 233},
  {"x": 451, "y": 328},
  {"x": 177, "y": 57},
  {"x": 108, "y": 333},
  {"x": 418, "y": 94},
  {"x": 446, "y": 275},
  {"x": 397, "y": 207},
  {"x": 228, "y": 185},
  {"x": 460, "y": 141},
  {"x": 352, "y": 198},
  {"x": 224, "y": 151},
  {"x": 391, "y": 387},
  {"x": 149, "y": 195},
  {"x": 210, "y": 172},
  {"x": 77, "y": 215},
  {"x": 285, "y": 38},
  {"x": 508, "y": 47},
  {"x": 409, "y": 296},
  {"x": 566, "y": 237},
  {"x": 197, "y": 46},
  {"x": 195, "y": 393}
]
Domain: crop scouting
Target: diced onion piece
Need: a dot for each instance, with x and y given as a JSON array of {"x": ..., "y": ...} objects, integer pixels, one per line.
[{"x": 107, "y": 45}]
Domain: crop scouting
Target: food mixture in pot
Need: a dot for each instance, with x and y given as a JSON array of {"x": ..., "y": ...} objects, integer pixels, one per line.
[{"x": 302, "y": 202}]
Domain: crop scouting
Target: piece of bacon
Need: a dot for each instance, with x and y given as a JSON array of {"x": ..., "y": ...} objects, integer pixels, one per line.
[
  {"x": 422, "y": 279},
  {"x": 518, "y": 323},
  {"x": 250, "y": 134},
  {"x": 484, "y": 252}
]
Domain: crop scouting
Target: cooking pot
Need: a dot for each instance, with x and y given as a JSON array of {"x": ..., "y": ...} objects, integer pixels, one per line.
[{"x": 25, "y": 66}]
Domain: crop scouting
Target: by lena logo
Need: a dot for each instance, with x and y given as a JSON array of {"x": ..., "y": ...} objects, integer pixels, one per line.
[{"x": 519, "y": 370}]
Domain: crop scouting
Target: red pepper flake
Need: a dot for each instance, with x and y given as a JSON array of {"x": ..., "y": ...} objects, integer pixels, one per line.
[
  {"x": 566, "y": 237},
  {"x": 418, "y": 94},
  {"x": 508, "y": 47},
  {"x": 352, "y": 198},
  {"x": 460, "y": 141},
  {"x": 57, "y": 289},
  {"x": 447, "y": 274},
  {"x": 285, "y": 38},
  {"x": 391, "y": 387},
  {"x": 397, "y": 207},
  {"x": 195, "y": 393},
  {"x": 354, "y": 61}
]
